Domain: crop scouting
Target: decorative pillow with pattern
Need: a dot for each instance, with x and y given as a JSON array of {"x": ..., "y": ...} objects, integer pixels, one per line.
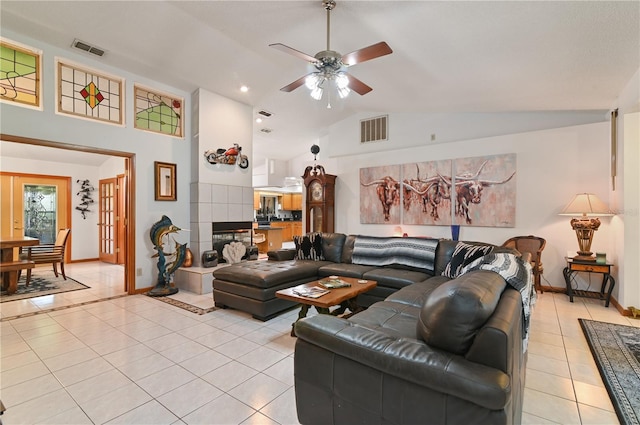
[
  {"x": 309, "y": 247},
  {"x": 464, "y": 254}
]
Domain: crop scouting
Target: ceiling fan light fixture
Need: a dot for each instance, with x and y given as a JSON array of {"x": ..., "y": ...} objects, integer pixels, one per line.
[
  {"x": 343, "y": 92},
  {"x": 316, "y": 93},
  {"x": 342, "y": 81}
]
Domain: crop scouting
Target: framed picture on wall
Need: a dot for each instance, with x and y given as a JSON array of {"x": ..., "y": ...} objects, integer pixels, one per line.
[
  {"x": 165, "y": 181},
  {"x": 85, "y": 93},
  {"x": 20, "y": 74},
  {"x": 158, "y": 112}
]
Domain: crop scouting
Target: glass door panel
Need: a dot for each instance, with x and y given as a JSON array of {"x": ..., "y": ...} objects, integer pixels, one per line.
[{"x": 40, "y": 212}]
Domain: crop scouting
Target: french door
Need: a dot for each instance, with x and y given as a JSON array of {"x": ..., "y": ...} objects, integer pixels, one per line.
[{"x": 107, "y": 230}]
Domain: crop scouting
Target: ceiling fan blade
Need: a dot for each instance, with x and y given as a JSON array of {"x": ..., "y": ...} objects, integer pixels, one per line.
[
  {"x": 294, "y": 52},
  {"x": 297, "y": 83},
  {"x": 357, "y": 85},
  {"x": 366, "y": 53}
]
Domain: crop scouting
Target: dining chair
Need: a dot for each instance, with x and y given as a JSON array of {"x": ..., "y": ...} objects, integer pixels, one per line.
[
  {"x": 47, "y": 253},
  {"x": 533, "y": 245}
]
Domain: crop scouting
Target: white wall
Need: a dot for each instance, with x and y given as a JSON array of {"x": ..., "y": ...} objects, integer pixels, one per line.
[
  {"x": 221, "y": 123},
  {"x": 626, "y": 196},
  {"x": 552, "y": 166},
  {"x": 147, "y": 147},
  {"x": 630, "y": 270}
]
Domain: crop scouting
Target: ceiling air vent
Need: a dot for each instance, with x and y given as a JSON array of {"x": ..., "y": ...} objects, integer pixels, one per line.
[
  {"x": 265, "y": 113},
  {"x": 87, "y": 47},
  {"x": 374, "y": 129}
]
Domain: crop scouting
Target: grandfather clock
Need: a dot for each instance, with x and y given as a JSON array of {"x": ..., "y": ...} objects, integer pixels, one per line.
[{"x": 320, "y": 200}]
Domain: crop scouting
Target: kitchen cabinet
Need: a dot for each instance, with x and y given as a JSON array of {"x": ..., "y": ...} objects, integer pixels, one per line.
[
  {"x": 256, "y": 200},
  {"x": 296, "y": 201},
  {"x": 287, "y": 201}
]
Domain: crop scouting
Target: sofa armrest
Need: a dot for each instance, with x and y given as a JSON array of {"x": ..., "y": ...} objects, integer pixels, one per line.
[
  {"x": 408, "y": 359},
  {"x": 281, "y": 254}
]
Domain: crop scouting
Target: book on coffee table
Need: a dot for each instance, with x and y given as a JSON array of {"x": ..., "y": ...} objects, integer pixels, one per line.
[
  {"x": 310, "y": 292},
  {"x": 334, "y": 283}
]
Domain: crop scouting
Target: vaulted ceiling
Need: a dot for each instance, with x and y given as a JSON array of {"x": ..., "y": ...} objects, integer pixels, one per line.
[{"x": 448, "y": 56}]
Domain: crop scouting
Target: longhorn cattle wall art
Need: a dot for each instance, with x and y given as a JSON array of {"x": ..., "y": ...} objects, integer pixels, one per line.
[
  {"x": 426, "y": 193},
  {"x": 380, "y": 195},
  {"x": 476, "y": 191},
  {"x": 485, "y": 191}
]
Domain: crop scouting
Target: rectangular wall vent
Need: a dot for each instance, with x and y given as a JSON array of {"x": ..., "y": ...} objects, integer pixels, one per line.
[
  {"x": 87, "y": 47},
  {"x": 374, "y": 129}
]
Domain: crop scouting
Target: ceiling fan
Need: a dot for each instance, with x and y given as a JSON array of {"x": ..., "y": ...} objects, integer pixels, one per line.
[{"x": 331, "y": 65}]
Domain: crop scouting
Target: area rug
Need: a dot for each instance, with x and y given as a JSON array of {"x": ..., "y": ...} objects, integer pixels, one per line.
[
  {"x": 185, "y": 306},
  {"x": 616, "y": 350},
  {"x": 42, "y": 283}
]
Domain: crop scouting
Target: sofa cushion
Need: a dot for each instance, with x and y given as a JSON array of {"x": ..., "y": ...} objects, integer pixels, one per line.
[
  {"x": 347, "y": 249},
  {"x": 464, "y": 254},
  {"x": 268, "y": 274},
  {"x": 332, "y": 244},
  {"x": 345, "y": 270},
  {"x": 455, "y": 310},
  {"x": 309, "y": 247},
  {"x": 395, "y": 278}
]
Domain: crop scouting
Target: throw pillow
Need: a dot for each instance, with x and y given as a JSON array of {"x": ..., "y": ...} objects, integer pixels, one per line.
[
  {"x": 309, "y": 247},
  {"x": 462, "y": 255}
]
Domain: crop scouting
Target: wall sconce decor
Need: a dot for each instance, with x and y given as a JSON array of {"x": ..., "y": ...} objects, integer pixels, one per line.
[
  {"x": 85, "y": 197},
  {"x": 588, "y": 207}
]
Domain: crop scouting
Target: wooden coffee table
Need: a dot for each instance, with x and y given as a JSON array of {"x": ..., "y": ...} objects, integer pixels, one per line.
[{"x": 344, "y": 297}]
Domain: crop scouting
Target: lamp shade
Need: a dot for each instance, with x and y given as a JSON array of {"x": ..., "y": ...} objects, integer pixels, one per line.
[{"x": 586, "y": 204}]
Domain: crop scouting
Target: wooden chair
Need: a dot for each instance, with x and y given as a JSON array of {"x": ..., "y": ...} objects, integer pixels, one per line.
[
  {"x": 49, "y": 253},
  {"x": 533, "y": 245}
]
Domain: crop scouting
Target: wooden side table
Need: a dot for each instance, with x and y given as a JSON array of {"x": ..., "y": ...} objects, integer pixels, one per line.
[{"x": 608, "y": 282}]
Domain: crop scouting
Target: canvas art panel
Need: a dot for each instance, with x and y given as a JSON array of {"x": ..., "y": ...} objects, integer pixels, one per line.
[
  {"x": 20, "y": 74},
  {"x": 380, "y": 195},
  {"x": 426, "y": 193},
  {"x": 89, "y": 94},
  {"x": 485, "y": 191},
  {"x": 158, "y": 112}
]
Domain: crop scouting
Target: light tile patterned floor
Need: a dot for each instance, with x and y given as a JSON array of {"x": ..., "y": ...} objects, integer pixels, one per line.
[{"x": 135, "y": 360}]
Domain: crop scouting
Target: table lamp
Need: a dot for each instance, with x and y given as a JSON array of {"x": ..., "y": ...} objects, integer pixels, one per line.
[{"x": 586, "y": 205}]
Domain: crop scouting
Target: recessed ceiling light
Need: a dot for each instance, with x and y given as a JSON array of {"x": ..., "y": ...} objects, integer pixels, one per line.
[
  {"x": 258, "y": 120},
  {"x": 244, "y": 89}
]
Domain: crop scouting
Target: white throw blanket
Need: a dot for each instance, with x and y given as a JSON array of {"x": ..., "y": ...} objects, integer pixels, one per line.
[{"x": 518, "y": 274}]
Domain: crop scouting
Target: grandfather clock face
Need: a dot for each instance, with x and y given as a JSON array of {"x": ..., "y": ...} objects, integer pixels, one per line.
[{"x": 316, "y": 191}]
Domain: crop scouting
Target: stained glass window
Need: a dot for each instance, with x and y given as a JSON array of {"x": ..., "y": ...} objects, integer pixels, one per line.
[
  {"x": 88, "y": 94},
  {"x": 19, "y": 74},
  {"x": 158, "y": 112}
]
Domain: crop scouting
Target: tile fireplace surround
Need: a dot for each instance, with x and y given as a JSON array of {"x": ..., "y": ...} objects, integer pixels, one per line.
[{"x": 215, "y": 202}]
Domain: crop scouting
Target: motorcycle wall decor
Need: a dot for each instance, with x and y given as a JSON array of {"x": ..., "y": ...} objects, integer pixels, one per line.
[{"x": 230, "y": 156}]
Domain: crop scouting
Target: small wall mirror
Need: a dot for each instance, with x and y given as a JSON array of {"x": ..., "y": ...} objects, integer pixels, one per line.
[{"x": 165, "y": 181}]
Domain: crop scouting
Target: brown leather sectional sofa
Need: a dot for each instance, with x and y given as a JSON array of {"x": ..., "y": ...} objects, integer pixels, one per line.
[{"x": 429, "y": 349}]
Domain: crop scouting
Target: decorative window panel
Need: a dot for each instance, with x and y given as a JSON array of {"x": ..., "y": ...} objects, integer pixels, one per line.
[
  {"x": 20, "y": 70},
  {"x": 88, "y": 94},
  {"x": 158, "y": 112}
]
